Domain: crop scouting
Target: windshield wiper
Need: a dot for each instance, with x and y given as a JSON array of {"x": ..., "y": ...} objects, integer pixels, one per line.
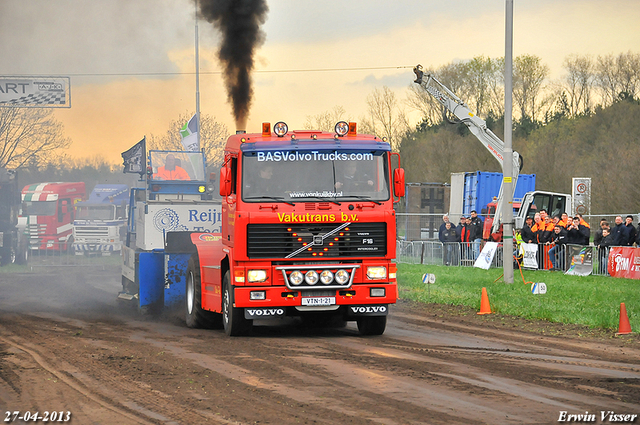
[
  {"x": 368, "y": 198},
  {"x": 324, "y": 199},
  {"x": 275, "y": 198}
]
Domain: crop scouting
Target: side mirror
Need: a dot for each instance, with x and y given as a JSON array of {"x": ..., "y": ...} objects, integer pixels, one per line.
[
  {"x": 225, "y": 181},
  {"x": 398, "y": 182}
]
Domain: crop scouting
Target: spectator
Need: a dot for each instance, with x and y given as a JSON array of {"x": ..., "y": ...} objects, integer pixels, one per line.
[
  {"x": 526, "y": 233},
  {"x": 465, "y": 238},
  {"x": 450, "y": 244},
  {"x": 538, "y": 226},
  {"x": 476, "y": 234},
  {"x": 557, "y": 252},
  {"x": 598, "y": 235},
  {"x": 583, "y": 222},
  {"x": 460, "y": 225},
  {"x": 564, "y": 220},
  {"x": 445, "y": 220},
  {"x": 617, "y": 231},
  {"x": 547, "y": 229},
  {"x": 577, "y": 233},
  {"x": 603, "y": 250},
  {"x": 629, "y": 232}
]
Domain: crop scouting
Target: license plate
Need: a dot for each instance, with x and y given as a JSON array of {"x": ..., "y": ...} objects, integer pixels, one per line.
[{"x": 312, "y": 301}]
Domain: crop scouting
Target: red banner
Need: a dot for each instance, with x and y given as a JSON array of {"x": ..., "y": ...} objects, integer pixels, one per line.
[{"x": 624, "y": 262}]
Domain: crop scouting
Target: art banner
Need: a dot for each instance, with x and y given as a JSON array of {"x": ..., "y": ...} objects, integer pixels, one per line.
[
  {"x": 485, "y": 258},
  {"x": 581, "y": 260},
  {"x": 624, "y": 262},
  {"x": 530, "y": 258}
]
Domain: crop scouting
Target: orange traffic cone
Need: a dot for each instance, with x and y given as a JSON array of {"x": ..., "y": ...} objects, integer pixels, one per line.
[
  {"x": 485, "y": 308},
  {"x": 625, "y": 327}
]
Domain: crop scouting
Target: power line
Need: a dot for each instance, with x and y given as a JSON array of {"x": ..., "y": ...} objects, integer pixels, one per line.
[{"x": 281, "y": 71}]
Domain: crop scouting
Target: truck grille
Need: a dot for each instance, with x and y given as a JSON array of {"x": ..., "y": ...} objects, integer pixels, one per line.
[
  {"x": 282, "y": 240},
  {"x": 92, "y": 232}
]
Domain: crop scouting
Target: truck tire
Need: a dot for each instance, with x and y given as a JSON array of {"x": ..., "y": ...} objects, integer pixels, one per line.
[
  {"x": 195, "y": 316},
  {"x": 372, "y": 325},
  {"x": 233, "y": 318}
]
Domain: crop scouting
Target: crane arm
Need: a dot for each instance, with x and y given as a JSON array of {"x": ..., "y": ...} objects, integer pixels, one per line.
[{"x": 475, "y": 124}]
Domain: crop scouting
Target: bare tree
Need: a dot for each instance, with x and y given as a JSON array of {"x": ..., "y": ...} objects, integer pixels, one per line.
[
  {"x": 213, "y": 136},
  {"x": 386, "y": 119},
  {"x": 29, "y": 136},
  {"x": 579, "y": 82},
  {"x": 326, "y": 121},
  {"x": 529, "y": 74}
]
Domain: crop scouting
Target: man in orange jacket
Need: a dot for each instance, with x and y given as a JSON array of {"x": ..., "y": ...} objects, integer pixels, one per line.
[{"x": 171, "y": 171}]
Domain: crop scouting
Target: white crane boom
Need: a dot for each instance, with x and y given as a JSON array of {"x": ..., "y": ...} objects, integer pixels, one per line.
[{"x": 475, "y": 124}]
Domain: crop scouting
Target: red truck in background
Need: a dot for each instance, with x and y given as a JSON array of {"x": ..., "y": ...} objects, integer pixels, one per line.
[{"x": 49, "y": 210}]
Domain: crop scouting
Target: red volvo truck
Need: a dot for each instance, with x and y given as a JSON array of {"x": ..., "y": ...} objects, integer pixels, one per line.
[
  {"x": 50, "y": 210},
  {"x": 308, "y": 229}
]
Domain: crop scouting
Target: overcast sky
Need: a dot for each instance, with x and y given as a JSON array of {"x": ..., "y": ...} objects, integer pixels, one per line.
[{"x": 132, "y": 67}]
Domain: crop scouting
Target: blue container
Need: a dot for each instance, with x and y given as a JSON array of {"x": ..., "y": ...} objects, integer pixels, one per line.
[{"x": 481, "y": 187}]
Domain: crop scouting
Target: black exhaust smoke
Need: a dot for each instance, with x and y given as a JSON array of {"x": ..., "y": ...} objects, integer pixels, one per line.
[{"x": 239, "y": 22}]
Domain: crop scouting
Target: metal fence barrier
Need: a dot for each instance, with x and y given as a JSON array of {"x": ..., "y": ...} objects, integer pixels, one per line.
[{"x": 462, "y": 254}]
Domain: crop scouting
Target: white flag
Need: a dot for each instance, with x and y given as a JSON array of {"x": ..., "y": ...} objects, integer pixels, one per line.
[
  {"x": 189, "y": 134},
  {"x": 485, "y": 258},
  {"x": 530, "y": 258}
]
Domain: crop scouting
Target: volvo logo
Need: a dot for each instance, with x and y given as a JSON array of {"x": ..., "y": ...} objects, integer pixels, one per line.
[
  {"x": 252, "y": 313},
  {"x": 369, "y": 309}
]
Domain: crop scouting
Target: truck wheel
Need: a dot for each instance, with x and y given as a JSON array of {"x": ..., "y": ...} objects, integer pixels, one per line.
[
  {"x": 372, "y": 325},
  {"x": 233, "y": 318},
  {"x": 195, "y": 316}
]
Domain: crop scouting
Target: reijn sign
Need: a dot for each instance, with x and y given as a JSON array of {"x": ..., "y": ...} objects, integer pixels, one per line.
[{"x": 35, "y": 92}]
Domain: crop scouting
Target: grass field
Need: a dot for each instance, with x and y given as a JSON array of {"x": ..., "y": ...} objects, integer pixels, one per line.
[{"x": 593, "y": 301}]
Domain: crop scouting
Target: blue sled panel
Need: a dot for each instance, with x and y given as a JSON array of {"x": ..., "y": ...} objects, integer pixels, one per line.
[
  {"x": 151, "y": 278},
  {"x": 174, "y": 291}
]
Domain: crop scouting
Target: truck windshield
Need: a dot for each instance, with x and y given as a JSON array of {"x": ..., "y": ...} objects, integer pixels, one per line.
[
  {"x": 96, "y": 212},
  {"x": 307, "y": 176},
  {"x": 39, "y": 208},
  {"x": 177, "y": 165}
]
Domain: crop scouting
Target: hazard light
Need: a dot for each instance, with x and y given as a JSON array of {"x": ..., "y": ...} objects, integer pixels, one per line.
[{"x": 266, "y": 129}]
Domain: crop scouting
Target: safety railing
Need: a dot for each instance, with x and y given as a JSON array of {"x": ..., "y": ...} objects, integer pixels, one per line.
[{"x": 541, "y": 257}]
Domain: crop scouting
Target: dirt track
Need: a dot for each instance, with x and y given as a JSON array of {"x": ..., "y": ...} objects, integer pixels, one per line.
[{"x": 65, "y": 347}]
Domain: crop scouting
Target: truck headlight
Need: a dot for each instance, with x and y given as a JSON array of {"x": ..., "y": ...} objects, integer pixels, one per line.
[
  {"x": 311, "y": 277},
  {"x": 50, "y": 243},
  {"x": 280, "y": 129},
  {"x": 326, "y": 277},
  {"x": 342, "y": 276},
  {"x": 377, "y": 273},
  {"x": 296, "y": 278},
  {"x": 257, "y": 275}
]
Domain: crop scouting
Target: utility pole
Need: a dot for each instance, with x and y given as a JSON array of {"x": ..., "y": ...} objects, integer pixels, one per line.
[
  {"x": 197, "y": 80},
  {"x": 507, "y": 182}
]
